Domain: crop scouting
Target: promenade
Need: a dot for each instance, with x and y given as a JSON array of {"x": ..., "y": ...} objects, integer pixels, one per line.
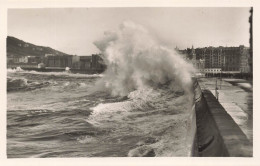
[{"x": 236, "y": 96}]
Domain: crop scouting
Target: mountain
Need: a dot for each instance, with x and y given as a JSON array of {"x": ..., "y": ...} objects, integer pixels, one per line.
[{"x": 17, "y": 47}]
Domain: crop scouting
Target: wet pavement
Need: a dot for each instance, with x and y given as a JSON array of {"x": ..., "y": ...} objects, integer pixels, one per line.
[{"x": 236, "y": 96}]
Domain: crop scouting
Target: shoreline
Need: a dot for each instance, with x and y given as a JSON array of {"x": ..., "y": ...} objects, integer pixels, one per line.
[{"x": 75, "y": 71}]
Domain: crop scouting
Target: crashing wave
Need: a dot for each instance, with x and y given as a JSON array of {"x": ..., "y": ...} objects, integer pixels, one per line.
[{"x": 136, "y": 60}]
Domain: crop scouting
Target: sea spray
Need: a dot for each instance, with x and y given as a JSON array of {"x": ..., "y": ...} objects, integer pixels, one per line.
[{"x": 136, "y": 60}]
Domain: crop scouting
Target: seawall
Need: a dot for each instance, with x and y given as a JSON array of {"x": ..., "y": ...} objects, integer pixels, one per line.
[{"x": 216, "y": 133}]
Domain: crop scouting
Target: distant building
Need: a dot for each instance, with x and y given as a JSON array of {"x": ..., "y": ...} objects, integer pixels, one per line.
[
  {"x": 219, "y": 59},
  {"x": 235, "y": 59},
  {"x": 193, "y": 56},
  {"x": 183, "y": 53},
  {"x": 56, "y": 61},
  {"x": 97, "y": 62},
  {"x": 34, "y": 59},
  {"x": 85, "y": 62},
  {"x": 245, "y": 60},
  {"x": 26, "y": 45},
  {"x": 93, "y": 62},
  {"x": 212, "y": 70},
  {"x": 200, "y": 65},
  {"x": 75, "y": 62},
  {"x": 23, "y": 59},
  {"x": 46, "y": 55},
  {"x": 10, "y": 60}
]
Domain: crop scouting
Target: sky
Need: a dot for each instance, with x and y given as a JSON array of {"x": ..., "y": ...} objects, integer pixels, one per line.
[{"x": 73, "y": 30}]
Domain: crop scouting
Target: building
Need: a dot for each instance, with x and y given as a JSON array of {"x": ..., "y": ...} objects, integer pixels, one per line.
[
  {"x": 86, "y": 62},
  {"x": 213, "y": 57},
  {"x": 200, "y": 65},
  {"x": 56, "y": 61},
  {"x": 97, "y": 62},
  {"x": 219, "y": 59},
  {"x": 245, "y": 60},
  {"x": 75, "y": 62},
  {"x": 236, "y": 59},
  {"x": 10, "y": 60},
  {"x": 194, "y": 56},
  {"x": 183, "y": 53},
  {"x": 23, "y": 59},
  {"x": 16, "y": 59},
  {"x": 34, "y": 59},
  {"x": 93, "y": 62},
  {"x": 212, "y": 70}
]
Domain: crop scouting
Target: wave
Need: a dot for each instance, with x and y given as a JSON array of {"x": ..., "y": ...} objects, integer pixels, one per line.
[
  {"x": 17, "y": 69},
  {"x": 62, "y": 74},
  {"x": 17, "y": 84},
  {"x": 136, "y": 100},
  {"x": 158, "y": 114},
  {"x": 142, "y": 102}
]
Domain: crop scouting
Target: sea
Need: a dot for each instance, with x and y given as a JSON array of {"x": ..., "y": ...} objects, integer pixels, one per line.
[
  {"x": 140, "y": 106},
  {"x": 61, "y": 114}
]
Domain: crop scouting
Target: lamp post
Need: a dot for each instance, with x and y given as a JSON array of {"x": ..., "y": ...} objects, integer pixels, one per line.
[
  {"x": 216, "y": 89},
  {"x": 220, "y": 76}
]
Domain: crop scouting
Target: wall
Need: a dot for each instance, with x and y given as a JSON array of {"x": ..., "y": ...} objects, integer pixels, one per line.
[{"x": 217, "y": 135}]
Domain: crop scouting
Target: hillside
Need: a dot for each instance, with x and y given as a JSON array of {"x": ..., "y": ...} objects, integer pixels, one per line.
[{"x": 17, "y": 47}]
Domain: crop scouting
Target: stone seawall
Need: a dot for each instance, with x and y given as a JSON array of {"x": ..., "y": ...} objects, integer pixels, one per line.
[{"x": 217, "y": 134}]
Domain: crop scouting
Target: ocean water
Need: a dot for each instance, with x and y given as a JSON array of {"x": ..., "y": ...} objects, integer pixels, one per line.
[
  {"x": 60, "y": 115},
  {"x": 140, "y": 106}
]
